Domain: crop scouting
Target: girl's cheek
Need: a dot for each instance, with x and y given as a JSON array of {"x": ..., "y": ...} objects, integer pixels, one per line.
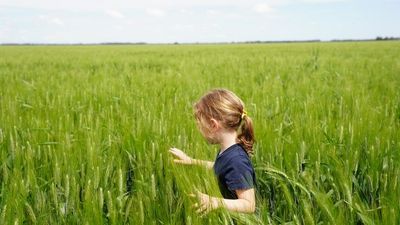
[{"x": 211, "y": 139}]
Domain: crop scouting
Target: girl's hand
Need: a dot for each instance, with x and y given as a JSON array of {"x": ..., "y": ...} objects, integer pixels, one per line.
[
  {"x": 180, "y": 156},
  {"x": 205, "y": 203}
]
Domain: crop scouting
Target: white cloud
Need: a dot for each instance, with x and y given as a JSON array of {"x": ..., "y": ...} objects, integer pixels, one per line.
[
  {"x": 4, "y": 31},
  {"x": 183, "y": 26},
  {"x": 56, "y": 21},
  {"x": 212, "y": 12},
  {"x": 51, "y": 20},
  {"x": 175, "y": 20},
  {"x": 274, "y": 3},
  {"x": 322, "y": 1},
  {"x": 95, "y": 5},
  {"x": 118, "y": 27},
  {"x": 186, "y": 12},
  {"x": 263, "y": 8},
  {"x": 115, "y": 14},
  {"x": 155, "y": 12},
  {"x": 271, "y": 5}
]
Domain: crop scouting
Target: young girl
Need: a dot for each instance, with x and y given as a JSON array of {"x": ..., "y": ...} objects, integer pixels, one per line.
[{"x": 222, "y": 120}]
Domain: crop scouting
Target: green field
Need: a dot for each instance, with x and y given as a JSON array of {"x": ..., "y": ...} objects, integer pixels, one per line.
[{"x": 85, "y": 132}]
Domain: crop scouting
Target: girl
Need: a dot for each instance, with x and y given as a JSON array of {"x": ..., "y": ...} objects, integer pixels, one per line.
[{"x": 222, "y": 120}]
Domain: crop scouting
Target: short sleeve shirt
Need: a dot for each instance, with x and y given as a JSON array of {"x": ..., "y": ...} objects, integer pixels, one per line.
[{"x": 234, "y": 171}]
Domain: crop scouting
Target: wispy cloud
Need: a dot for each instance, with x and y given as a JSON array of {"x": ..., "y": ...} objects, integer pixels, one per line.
[
  {"x": 322, "y": 1},
  {"x": 272, "y": 5},
  {"x": 51, "y": 20},
  {"x": 4, "y": 30},
  {"x": 115, "y": 14},
  {"x": 193, "y": 20},
  {"x": 155, "y": 12},
  {"x": 110, "y": 6},
  {"x": 263, "y": 8},
  {"x": 289, "y": 2},
  {"x": 212, "y": 12},
  {"x": 186, "y": 12},
  {"x": 183, "y": 26},
  {"x": 56, "y": 21}
]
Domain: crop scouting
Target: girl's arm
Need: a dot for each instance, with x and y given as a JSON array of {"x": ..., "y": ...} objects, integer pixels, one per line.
[
  {"x": 182, "y": 158},
  {"x": 245, "y": 203},
  {"x": 205, "y": 163}
]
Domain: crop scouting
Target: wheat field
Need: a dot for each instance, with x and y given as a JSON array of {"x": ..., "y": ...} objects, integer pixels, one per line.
[{"x": 85, "y": 132}]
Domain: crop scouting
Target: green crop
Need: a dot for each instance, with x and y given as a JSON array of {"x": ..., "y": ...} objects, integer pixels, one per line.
[{"x": 85, "y": 132}]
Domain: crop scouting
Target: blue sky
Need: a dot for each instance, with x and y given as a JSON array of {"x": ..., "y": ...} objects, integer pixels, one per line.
[{"x": 161, "y": 21}]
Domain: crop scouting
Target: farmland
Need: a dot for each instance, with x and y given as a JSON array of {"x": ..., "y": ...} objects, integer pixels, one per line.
[{"x": 85, "y": 132}]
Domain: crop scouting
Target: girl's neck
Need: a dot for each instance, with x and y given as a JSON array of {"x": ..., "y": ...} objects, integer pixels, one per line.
[{"x": 227, "y": 140}]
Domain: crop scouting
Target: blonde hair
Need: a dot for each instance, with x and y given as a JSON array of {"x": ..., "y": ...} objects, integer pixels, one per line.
[{"x": 224, "y": 106}]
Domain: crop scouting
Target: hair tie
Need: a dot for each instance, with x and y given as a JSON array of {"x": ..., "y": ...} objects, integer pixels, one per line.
[{"x": 244, "y": 113}]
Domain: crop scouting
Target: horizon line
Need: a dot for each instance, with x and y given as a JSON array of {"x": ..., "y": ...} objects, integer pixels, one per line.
[{"x": 378, "y": 38}]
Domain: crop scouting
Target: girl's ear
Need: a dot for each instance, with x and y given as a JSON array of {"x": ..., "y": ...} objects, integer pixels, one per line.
[{"x": 214, "y": 124}]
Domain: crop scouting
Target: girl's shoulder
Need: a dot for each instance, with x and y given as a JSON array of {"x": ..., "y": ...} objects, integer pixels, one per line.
[
  {"x": 238, "y": 154},
  {"x": 240, "y": 151}
]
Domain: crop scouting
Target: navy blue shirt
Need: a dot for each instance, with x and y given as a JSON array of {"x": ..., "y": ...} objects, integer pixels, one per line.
[{"x": 234, "y": 171}]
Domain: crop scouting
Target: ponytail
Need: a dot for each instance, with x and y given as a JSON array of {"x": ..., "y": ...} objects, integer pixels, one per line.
[{"x": 246, "y": 134}]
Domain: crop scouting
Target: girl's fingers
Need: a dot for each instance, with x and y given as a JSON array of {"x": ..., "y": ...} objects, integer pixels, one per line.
[
  {"x": 205, "y": 212},
  {"x": 202, "y": 210},
  {"x": 176, "y": 154},
  {"x": 173, "y": 152},
  {"x": 192, "y": 195}
]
